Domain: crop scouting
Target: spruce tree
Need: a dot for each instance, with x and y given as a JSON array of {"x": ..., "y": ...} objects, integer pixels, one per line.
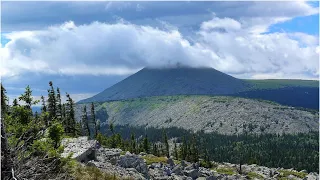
[
  {"x": 184, "y": 149},
  {"x": 111, "y": 128},
  {"x": 27, "y": 98},
  {"x": 59, "y": 105},
  {"x": 52, "y": 109},
  {"x": 207, "y": 159},
  {"x": 132, "y": 143},
  {"x": 64, "y": 117},
  {"x": 176, "y": 151},
  {"x": 43, "y": 108},
  {"x": 166, "y": 144},
  {"x": 93, "y": 120},
  {"x": 194, "y": 150},
  {"x": 155, "y": 149},
  {"x": 146, "y": 145},
  {"x": 15, "y": 103},
  {"x": 3, "y": 100},
  {"x": 85, "y": 121},
  {"x": 71, "y": 122},
  {"x": 239, "y": 150},
  {"x": 44, "y": 111}
]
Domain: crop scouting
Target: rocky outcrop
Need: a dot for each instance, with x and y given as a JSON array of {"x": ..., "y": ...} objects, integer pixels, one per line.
[
  {"x": 108, "y": 155},
  {"x": 133, "y": 161},
  {"x": 117, "y": 170},
  {"x": 186, "y": 170},
  {"x": 82, "y": 149},
  {"x": 134, "y": 166}
]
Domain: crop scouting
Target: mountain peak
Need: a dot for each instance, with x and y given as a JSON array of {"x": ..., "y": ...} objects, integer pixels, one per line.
[{"x": 171, "y": 80}]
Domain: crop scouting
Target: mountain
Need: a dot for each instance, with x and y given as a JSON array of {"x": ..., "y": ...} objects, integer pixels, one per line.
[
  {"x": 220, "y": 114},
  {"x": 172, "y": 81},
  {"x": 150, "y": 82}
]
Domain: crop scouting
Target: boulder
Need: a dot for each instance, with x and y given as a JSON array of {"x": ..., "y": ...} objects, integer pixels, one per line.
[
  {"x": 183, "y": 163},
  {"x": 167, "y": 171},
  {"x": 304, "y": 171},
  {"x": 196, "y": 165},
  {"x": 291, "y": 177},
  {"x": 193, "y": 173},
  {"x": 177, "y": 169},
  {"x": 118, "y": 171},
  {"x": 133, "y": 161},
  {"x": 132, "y": 170},
  {"x": 312, "y": 176},
  {"x": 211, "y": 178},
  {"x": 82, "y": 149},
  {"x": 205, "y": 172},
  {"x": 108, "y": 155},
  {"x": 177, "y": 177},
  {"x": 170, "y": 162}
]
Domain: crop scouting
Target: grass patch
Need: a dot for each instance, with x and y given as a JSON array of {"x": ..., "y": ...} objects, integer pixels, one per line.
[
  {"x": 253, "y": 175},
  {"x": 154, "y": 159},
  {"x": 286, "y": 173},
  {"x": 93, "y": 173},
  {"x": 228, "y": 171},
  {"x": 176, "y": 161}
]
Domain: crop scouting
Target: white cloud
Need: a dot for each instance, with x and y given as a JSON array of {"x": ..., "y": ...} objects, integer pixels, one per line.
[
  {"x": 227, "y": 24},
  {"x": 226, "y": 44}
]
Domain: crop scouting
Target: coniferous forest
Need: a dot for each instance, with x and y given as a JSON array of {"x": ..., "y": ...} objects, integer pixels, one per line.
[{"x": 298, "y": 151}]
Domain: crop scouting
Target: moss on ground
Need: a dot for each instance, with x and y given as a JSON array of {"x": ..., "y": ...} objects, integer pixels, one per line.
[
  {"x": 154, "y": 159},
  {"x": 286, "y": 173},
  {"x": 228, "y": 171}
]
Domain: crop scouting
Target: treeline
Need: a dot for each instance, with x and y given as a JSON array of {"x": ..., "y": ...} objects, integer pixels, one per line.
[{"x": 298, "y": 151}]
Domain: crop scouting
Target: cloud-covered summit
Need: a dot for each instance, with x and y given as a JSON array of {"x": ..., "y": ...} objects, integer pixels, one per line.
[{"x": 100, "y": 43}]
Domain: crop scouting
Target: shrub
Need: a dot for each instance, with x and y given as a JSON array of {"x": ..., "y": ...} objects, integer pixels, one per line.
[{"x": 56, "y": 133}]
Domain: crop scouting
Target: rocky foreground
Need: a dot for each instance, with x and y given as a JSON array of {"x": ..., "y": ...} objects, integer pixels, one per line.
[{"x": 146, "y": 166}]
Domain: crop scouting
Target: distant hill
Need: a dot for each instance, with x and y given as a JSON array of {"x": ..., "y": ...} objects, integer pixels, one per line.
[
  {"x": 221, "y": 114},
  {"x": 150, "y": 82}
]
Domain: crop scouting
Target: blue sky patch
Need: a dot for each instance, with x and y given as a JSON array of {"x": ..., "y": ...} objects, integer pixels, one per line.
[{"x": 306, "y": 24}]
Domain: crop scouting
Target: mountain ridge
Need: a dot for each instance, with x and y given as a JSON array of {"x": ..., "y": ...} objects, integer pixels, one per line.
[
  {"x": 183, "y": 80},
  {"x": 221, "y": 114}
]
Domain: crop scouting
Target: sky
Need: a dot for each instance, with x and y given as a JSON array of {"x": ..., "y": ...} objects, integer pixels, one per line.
[{"x": 86, "y": 47}]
